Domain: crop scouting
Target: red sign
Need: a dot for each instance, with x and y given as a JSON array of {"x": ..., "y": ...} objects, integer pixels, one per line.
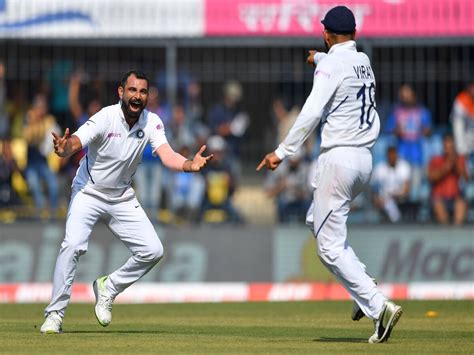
[
  {"x": 235, "y": 292},
  {"x": 374, "y": 18}
]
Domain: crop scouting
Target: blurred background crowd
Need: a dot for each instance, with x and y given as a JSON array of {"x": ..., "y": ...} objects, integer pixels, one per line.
[
  {"x": 35, "y": 183},
  {"x": 423, "y": 168},
  {"x": 232, "y": 75}
]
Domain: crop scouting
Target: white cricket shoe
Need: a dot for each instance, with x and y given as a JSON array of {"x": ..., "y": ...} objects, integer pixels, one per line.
[
  {"x": 389, "y": 316},
  {"x": 52, "y": 324},
  {"x": 103, "y": 302}
]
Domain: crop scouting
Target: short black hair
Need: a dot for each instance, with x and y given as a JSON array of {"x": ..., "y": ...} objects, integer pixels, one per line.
[
  {"x": 339, "y": 33},
  {"x": 448, "y": 135},
  {"x": 392, "y": 148},
  {"x": 138, "y": 74}
]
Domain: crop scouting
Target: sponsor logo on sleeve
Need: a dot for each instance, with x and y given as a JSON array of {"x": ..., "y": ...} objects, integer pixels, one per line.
[{"x": 323, "y": 73}]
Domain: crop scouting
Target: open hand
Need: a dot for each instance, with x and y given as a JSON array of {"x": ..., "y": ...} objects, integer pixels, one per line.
[
  {"x": 199, "y": 161},
  {"x": 271, "y": 162},
  {"x": 60, "y": 142}
]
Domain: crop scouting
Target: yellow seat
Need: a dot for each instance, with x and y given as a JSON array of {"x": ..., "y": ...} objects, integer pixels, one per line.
[{"x": 20, "y": 152}]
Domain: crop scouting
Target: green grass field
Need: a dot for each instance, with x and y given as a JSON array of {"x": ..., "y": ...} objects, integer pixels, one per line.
[{"x": 294, "y": 327}]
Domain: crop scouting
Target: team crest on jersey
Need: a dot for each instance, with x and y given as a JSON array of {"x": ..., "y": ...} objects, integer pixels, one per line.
[{"x": 140, "y": 133}]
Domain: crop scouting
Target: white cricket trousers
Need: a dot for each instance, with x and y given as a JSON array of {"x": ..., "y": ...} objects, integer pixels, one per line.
[
  {"x": 341, "y": 174},
  {"x": 128, "y": 221}
]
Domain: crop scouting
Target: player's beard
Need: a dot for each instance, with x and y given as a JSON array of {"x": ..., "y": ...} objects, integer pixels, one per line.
[{"x": 129, "y": 112}]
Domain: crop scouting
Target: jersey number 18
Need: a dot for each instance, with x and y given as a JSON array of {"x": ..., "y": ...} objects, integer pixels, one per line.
[{"x": 363, "y": 113}]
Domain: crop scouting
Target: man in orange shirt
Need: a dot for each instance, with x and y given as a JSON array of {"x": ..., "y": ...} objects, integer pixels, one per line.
[
  {"x": 444, "y": 173},
  {"x": 462, "y": 118}
]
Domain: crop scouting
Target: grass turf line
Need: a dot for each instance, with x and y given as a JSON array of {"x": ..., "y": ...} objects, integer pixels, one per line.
[{"x": 279, "y": 327}]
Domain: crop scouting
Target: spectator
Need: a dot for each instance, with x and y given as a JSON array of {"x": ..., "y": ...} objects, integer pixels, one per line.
[
  {"x": 391, "y": 185},
  {"x": 180, "y": 86},
  {"x": 462, "y": 118},
  {"x": 56, "y": 86},
  {"x": 151, "y": 176},
  {"x": 195, "y": 113},
  {"x": 37, "y": 133},
  {"x": 81, "y": 111},
  {"x": 180, "y": 131},
  {"x": 186, "y": 192},
  {"x": 289, "y": 185},
  {"x": 227, "y": 120},
  {"x": 17, "y": 107},
  {"x": 193, "y": 104},
  {"x": 220, "y": 179},
  {"x": 444, "y": 173},
  {"x": 158, "y": 105},
  {"x": 8, "y": 166},
  {"x": 410, "y": 122},
  {"x": 284, "y": 119}
]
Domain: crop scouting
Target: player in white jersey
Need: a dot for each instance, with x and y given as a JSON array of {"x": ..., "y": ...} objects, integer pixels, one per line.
[
  {"x": 116, "y": 137},
  {"x": 342, "y": 102}
]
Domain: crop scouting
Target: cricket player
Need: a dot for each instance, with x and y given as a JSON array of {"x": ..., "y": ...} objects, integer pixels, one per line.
[
  {"x": 342, "y": 101},
  {"x": 116, "y": 137}
]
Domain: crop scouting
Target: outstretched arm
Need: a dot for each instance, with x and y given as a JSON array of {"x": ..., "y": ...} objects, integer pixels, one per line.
[
  {"x": 326, "y": 80},
  {"x": 66, "y": 145},
  {"x": 314, "y": 57},
  {"x": 176, "y": 161}
]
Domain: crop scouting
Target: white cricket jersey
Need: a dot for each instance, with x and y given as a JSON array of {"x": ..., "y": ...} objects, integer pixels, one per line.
[
  {"x": 114, "y": 152},
  {"x": 342, "y": 100}
]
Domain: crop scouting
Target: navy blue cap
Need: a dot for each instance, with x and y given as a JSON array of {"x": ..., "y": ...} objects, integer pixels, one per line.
[{"x": 339, "y": 19}]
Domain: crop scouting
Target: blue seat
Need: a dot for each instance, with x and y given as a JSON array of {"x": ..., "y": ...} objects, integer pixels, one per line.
[
  {"x": 469, "y": 192},
  {"x": 432, "y": 146}
]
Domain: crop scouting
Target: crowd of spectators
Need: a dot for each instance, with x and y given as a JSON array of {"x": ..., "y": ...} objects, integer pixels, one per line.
[
  {"x": 419, "y": 175},
  {"x": 35, "y": 183},
  {"x": 436, "y": 167}
]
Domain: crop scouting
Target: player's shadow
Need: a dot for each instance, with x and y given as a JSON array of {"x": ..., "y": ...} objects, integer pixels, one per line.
[
  {"x": 340, "y": 340},
  {"x": 115, "y": 332}
]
